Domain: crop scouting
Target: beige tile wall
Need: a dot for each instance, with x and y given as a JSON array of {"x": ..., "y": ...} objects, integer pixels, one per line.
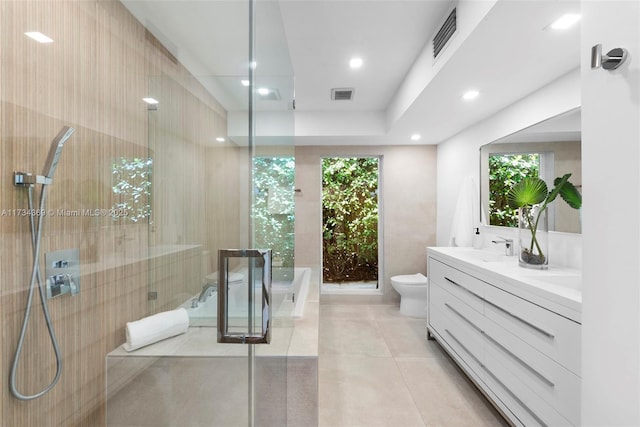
[
  {"x": 408, "y": 209},
  {"x": 93, "y": 78}
]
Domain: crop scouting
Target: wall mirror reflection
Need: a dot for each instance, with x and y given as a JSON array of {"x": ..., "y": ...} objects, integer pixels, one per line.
[{"x": 548, "y": 149}]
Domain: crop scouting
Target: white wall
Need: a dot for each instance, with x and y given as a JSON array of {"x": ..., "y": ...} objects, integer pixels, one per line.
[
  {"x": 611, "y": 151},
  {"x": 459, "y": 156}
]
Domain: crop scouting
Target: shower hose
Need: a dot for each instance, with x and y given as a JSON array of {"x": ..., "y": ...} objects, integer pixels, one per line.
[{"x": 36, "y": 234}]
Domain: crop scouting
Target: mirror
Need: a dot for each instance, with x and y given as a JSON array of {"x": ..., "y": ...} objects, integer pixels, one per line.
[{"x": 547, "y": 149}]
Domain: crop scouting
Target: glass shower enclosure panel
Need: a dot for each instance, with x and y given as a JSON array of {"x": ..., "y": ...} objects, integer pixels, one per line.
[
  {"x": 273, "y": 163},
  {"x": 220, "y": 167},
  {"x": 272, "y": 201}
]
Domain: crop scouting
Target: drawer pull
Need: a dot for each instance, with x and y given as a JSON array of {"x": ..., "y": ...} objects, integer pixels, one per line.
[
  {"x": 501, "y": 347},
  {"x": 521, "y": 362},
  {"x": 464, "y": 348},
  {"x": 514, "y": 397},
  {"x": 520, "y": 319},
  {"x": 463, "y": 317},
  {"x": 463, "y": 288},
  {"x": 531, "y": 325}
]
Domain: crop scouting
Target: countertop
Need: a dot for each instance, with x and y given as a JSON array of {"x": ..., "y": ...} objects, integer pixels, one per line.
[{"x": 558, "y": 288}]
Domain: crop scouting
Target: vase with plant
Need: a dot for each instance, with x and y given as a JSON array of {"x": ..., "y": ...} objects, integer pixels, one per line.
[{"x": 531, "y": 197}]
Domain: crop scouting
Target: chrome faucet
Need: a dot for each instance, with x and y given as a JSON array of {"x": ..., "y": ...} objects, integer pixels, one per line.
[
  {"x": 508, "y": 245},
  {"x": 207, "y": 291}
]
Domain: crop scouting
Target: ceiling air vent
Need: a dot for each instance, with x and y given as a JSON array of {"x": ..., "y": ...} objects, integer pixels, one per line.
[
  {"x": 444, "y": 33},
  {"x": 342, "y": 94}
]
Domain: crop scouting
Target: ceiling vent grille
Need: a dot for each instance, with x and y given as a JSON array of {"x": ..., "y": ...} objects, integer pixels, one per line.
[
  {"x": 444, "y": 33},
  {"x": 342, "y": 94}
]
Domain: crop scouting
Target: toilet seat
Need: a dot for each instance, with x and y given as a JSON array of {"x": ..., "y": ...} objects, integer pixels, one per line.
[{"x": 410, "y": 279}]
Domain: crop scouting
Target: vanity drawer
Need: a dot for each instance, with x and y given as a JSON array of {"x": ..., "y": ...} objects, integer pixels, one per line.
[
  {"x": 461, "y": 341},
  {"x": 526, "y": 406},
  {"x": 549, "y": 333},
  {"x": 454, "y": 307},
  {"x": 553, "y": 383},
  {"x": 467, "y": 288}
]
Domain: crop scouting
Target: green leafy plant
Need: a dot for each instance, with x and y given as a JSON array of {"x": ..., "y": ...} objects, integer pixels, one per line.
[
  {"x": 273, "y": 207},
  {"x": 350, "y": 219},
  {"x": 533, "y": 192},
  {"x": 505, "y": 170},
  {"x": 132, "y": 183}
]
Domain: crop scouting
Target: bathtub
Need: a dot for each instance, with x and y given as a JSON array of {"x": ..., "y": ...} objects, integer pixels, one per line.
[
  {"x": 173, "y": 368},
  {"x": 288, "y": 296},
  {"x": 290, "y": 361},
  {"x": 295, "y": 290}
]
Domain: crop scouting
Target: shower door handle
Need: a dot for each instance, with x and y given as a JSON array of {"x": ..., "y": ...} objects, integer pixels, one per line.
[{"x": 262, "y": 260}]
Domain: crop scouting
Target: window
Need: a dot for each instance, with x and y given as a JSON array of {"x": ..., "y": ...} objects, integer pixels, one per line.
[
  {"x": 505, "y": 170},
  {"x": 132, "y": 185},
  {"x": 273, "y": 212},
  {"x": 350, "y": 223}
]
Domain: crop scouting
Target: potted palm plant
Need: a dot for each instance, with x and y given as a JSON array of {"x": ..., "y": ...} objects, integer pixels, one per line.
[{"x": 531, "y": 197}]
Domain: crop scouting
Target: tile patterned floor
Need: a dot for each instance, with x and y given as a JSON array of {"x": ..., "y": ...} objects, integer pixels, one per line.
[{"x": 377, "y": 368}]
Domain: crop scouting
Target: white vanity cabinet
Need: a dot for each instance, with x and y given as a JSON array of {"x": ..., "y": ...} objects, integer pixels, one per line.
[{"x": 515, "y": 334}]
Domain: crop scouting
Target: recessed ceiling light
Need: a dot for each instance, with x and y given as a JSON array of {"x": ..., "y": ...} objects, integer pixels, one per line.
[
  {"x": 355, "y": 63},
  {"x": 38, "y": 36},
  {"x": 565, "y": 21},
  {"x": 151, "y": 101},
  {"x": 471, "y": 94},
  {"x": 415, "y": 137},
  {"x": 245, "y": 82},
  {"x": 220, "y": 139},
  {"x": 263, "y": 91}
]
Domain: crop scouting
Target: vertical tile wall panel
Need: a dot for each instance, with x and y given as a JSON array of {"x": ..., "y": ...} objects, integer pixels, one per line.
[{"x": 93, "y": 78}]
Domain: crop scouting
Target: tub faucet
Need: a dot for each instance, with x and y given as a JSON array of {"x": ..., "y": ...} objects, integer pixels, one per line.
[
  {"x": 508, "y": 245},
  {"x": 207, "y": 291}
]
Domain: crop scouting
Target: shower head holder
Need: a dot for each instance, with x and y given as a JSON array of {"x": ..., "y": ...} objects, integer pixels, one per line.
[{"x": 26, "y": 179}]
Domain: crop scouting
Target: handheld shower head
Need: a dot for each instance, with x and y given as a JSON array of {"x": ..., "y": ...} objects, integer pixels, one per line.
[{"x": 55, "y": 151}]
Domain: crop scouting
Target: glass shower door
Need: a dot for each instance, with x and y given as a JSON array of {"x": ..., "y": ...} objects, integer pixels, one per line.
[{"x": 210, "y": 192}]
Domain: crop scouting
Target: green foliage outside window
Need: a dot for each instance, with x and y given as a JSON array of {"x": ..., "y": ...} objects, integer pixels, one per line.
[
  {"x": 505, "y": 170},
  {"x": 132, "y": 183},
  {"x": 350, "y": 219},
  {"x": 273, "y": 210}
]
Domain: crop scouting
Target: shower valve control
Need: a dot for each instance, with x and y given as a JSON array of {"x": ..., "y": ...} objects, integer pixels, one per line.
[
  {"x": 62, "y": 272},
  {"x": 61, "y": 284}
]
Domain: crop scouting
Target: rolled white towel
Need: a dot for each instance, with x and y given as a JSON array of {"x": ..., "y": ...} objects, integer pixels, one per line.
[{"x": 156, "y": 328}]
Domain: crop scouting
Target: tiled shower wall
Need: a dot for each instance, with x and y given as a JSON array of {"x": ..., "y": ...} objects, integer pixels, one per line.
[{"x": 93, "y": 77}]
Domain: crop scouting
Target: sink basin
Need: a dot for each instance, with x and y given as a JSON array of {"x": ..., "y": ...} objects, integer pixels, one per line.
[{"x": 485, "y": 256}]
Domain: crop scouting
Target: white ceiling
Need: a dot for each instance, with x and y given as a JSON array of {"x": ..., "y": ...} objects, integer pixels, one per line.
[
  {"x": 509, "y": 54},
  {"x": 323, "y": 36}
]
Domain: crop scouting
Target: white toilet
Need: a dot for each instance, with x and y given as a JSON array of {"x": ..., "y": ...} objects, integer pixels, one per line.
[{"x": 413, "y": 294}]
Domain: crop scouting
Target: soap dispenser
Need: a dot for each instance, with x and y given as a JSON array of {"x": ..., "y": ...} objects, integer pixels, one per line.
[{"x": 477, "y": 238}]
